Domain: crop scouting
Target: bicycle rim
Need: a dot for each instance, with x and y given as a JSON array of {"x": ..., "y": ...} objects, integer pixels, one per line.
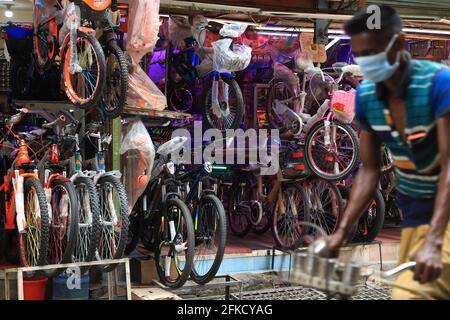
[
  {"x": 229, "y": 112},
  {"x": 110, "y": 221},
  {"x": 209, "y": 240},
  {"x": 172, "y": 262},
  {"x": 326, "y": 205},
  {"x": 335, "y": 160},
  {"x": 181, "y": 99},
  {"x": 82, "y": 86},
  {"x": 238, "y": 215},
  {"x": 30, "y": 239},
  {"x": 287, "y": 229}
]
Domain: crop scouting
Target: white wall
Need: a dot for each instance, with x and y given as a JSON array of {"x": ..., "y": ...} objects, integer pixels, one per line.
[{"x": 19, "y": 16}]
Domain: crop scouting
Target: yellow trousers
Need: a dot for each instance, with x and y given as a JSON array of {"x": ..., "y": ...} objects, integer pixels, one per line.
[{"x": 411, "y": 240}]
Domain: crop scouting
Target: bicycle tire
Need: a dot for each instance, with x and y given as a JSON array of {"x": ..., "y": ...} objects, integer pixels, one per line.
[
  {"x": 322, "y": 213},
  {"x": 189, "y": 252},
  {"x": 370, "y": 232},
  {"x": 231, "y": 210},
  {"x": 121, "y": 224},
  {"x": 116, "y": 110},
  {"x": 95, "y": 98},
  {"x": 236, "y": 122},
  {"x": 276, "y": 228},
  {"x": 71, "y": 232},
  {"x": 222, "y": 223},
  {"x": 41, "y": 59},
  {"x": 266, "y": 221},
  {"x": 309, "y": 152},
  {"x": 33, "y": 183},
  {"x": 345, "y": 195},
  {"x": 94, "y": 229}
]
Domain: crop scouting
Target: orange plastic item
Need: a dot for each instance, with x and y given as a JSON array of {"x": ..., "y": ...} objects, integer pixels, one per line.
[
  {"x": 98, "y": 5},
  {"x": 23, "y": 157}
]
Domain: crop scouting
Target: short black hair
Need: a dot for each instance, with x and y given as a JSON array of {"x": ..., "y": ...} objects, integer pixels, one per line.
[{"x": 390, "y": 22}]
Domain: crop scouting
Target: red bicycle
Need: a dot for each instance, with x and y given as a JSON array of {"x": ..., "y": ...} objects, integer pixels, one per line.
[
  {"x": 25, "y": 204},
  {"x": 83, "y": 66},
  {"x": 62, "y": 200}
]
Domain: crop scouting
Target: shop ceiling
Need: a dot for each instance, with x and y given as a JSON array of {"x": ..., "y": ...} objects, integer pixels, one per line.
[{"x": 417, "y": 14}]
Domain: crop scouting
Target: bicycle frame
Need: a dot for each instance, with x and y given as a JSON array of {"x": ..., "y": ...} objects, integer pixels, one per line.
[{"x": 13, "y": 186}]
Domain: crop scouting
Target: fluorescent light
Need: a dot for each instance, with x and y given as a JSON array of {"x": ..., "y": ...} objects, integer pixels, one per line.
[
  {"x": 326, "y": 16},
  {"x": 310, "y": 30},
  {"x": 429, "y": 31},
  {"x": 198, "y": 5},
  {"x": 9, "y": 14}
]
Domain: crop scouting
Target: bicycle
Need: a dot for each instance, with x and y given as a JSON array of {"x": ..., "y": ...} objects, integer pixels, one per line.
[
  {"x": 113, "y": 201},
  {"x": 25, "y": 204},
  {"x": 115, "y": 93},
  {"x": 200, "y": 195},
  {"x": 62, "y": 200},
  {"x": 89, "y": 203},
  {"x": 223, "y": 101},
  {"x": 83, "y": 71},
  {"x": 163, "y": 222},
  {"x": 331, "y": 146}
]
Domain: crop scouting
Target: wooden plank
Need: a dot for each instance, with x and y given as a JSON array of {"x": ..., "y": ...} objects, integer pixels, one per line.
[
  {"x": 166, "y": 114},
  {"x": 153, "y": 293}
]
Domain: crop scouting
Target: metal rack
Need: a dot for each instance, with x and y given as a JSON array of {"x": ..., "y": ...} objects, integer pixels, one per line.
[
  {"x": 20, "y": 272},
  {"x": 229, "y": 281}
]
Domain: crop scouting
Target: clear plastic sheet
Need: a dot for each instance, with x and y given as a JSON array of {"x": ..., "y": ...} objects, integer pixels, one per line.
[
  {"x": 137, "y": 157},
  {"x": 143, "y": 93},
  {"x": 227, "y": 60},
  {"x": 179, "y": 29},
  {"x": 71, "y": 23},
  {"x": 280, "y": 71},
  {"x": 143, "y": 28},
  {"x": 233, "y": 30},
  {"x": 43, "y": 9}
]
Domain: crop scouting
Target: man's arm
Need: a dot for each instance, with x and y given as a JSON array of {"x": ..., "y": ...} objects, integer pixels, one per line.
[
  {"x": 363, "y": 188},
  {"x": 429, "y": 257}
]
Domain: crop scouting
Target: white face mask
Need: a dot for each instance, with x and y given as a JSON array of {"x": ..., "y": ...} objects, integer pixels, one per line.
[{"x": 376, "y": 68}]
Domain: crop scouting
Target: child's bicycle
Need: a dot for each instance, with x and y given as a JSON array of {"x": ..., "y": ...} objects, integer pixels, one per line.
[
  {"x": 82, "y": 66},
  {"x": 25, "y": 203}
]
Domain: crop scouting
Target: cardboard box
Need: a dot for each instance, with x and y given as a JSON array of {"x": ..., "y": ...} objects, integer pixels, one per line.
[{"x": 143, "y": 270}]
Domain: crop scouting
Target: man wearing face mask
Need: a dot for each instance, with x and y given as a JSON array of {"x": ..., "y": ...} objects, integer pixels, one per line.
[{"x": 405, "y": 104}]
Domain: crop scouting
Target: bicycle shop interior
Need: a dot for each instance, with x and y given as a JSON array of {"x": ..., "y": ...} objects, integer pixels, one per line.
[{"x": 192, "y": 150}]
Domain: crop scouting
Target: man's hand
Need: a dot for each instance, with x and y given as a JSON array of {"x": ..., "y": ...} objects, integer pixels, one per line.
[
  {"x": 335, "y": 242},
  {"x": 428, "y": 262}
]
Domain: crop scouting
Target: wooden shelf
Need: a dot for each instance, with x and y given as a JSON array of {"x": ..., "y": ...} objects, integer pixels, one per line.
[{"x": 164, "y": 114}]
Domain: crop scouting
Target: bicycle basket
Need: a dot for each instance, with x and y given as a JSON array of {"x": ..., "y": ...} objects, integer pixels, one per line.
[
  {"x": 343, "y": 105},
  {"x": 230, "y": 60}
]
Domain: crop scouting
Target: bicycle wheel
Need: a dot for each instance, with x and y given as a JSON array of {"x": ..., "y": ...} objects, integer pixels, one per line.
[
  {"x": 85, "y": 88},
  {"x": 113, "y": 221},
  {"x": 89, "y": 221},
  {"x": 180, "y": 98},
  {"x": 239, "y": 208},
  {"x": 116, "y": 88},
  {"x": 34, "y": 239},
  {"x": 266, "y": 220},
  {"x": 210, "y": 238},
  {"x": 286, "y": 228},
  {"x": 174, "y": 244},
  {"x": 278, "y": 91},
  {"x": 336, "y": 158},
  {"x": 326, "y": 205},
  {"x": 371, "y": 222},
  {"x": 63, "y": 224},
  {"x": 230, "y": 112},
  {"x": 44, "y": 45}
]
